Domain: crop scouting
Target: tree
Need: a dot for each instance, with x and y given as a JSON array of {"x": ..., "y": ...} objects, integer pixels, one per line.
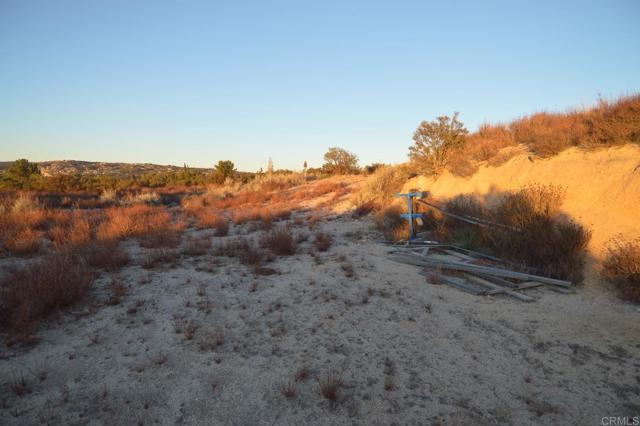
[
  {"x": 223, "y": 170},
  {"x": 23, "y": 174},
  {"x": 434, "y": 141},
  {"x": 340, "y": 161}
]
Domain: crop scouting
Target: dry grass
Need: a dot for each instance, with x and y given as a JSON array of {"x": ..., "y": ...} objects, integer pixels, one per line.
[
  {"x": 547, "y": 134},
  {"x": 380, "y": 188},
  {"x": 392, "y": 226},
  {"x": 330, "y": 385},
  {"x": 134, "y": 221},
  {"x": 24, "y": 243},
  {"x": 622, "y": 267},
  {"x": 104, "y": 254},
  {"x": 242, "y": 249},
  {"x": 280, "y": 241},
  {"x": 20, "y": 385},
  {"x": 50, "y": 285},
  {"x": 288, "y": 389},
  {"x": 211, "y": 339},
  {"x": 161, "y": 257},
  {"x": 322, "y": 241},
  {"x": 197, "y": 246}
]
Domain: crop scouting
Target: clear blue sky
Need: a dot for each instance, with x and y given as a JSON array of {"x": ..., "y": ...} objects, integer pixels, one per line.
[{"x": 201, "y": 81}]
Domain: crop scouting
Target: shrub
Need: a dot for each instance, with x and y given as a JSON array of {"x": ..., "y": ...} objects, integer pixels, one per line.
[
  {"x": 322, "y": 241},
  {"x": 535, "y": 235},
  {"x": 392, "y": 226},
  {"x": 107, "y": 254},
  {"x": 41, "y": 289},
  {"x": 329, "y": 386},
  {"x": 622, "y": 267},
  {"x": 76, "y": 232},
  {"x": 167, "y": 238},
  {"x": 241, "y": 249},
  {"x": 280, "y": 241},
  {"x": 133, "y": 221},
  {"x": 197, "y": 246},
  {"x": 380, "y": 188},
  {"x": 143, "y": 198},
  {"x": 24, "y": 243},
  {"x": 160, "y": 256}
]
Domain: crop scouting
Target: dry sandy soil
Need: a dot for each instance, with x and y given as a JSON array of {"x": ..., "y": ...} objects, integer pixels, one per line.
[{"x": 408, "y": 352}]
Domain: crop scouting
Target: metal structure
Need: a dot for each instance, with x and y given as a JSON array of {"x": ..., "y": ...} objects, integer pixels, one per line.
[{"x": 410, "y": 216}]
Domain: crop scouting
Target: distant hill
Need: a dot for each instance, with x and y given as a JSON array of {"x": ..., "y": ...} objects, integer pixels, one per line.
[{"x": 73, "y": 167}]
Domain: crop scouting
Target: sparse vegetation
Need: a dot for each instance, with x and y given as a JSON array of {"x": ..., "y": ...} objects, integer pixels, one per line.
[
  {"x": 47, "y": 286},
  {"x": 280, "y": 241},
  {"x": 533, "y": 232},
  {"x": 622, "y": 267},
  {"x": 330, "y": 385},
  {"x": 392, "y": 226},
  {"x": 322, "y": 241},
  {"x": 288, "y": 389}
]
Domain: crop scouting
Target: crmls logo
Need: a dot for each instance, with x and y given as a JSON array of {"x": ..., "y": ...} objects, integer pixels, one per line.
[{"x": 620, "y": 421}]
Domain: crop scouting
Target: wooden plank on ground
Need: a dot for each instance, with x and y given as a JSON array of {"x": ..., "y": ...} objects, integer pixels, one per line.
[
  {"x": 487, "y": 270},
  {"x": 499, "y": 289}
]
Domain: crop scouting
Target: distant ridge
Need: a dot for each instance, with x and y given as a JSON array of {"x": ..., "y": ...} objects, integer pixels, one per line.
[{"x": 76, "y": 167}]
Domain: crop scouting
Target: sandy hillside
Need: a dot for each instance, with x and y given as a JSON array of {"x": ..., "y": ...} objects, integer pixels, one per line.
[
  {"x": 602, "y": 187},
  {"x": 204, "y": 341}
]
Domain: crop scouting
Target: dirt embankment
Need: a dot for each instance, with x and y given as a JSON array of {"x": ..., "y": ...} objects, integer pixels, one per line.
[{"x": 602, "y": 187}]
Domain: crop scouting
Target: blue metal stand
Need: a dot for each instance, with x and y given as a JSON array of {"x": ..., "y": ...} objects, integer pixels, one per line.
[{"x": 410, "y": 215}]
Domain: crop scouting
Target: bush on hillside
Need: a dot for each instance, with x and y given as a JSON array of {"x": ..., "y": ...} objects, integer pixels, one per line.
[{"x": 622, "y": 267}]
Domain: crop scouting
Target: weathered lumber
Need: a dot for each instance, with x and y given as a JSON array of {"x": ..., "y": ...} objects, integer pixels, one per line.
[
  {"x": 462, "y": 285},
  {"x": 486, "y": 270},
  {"x": 496, "y": 289}
]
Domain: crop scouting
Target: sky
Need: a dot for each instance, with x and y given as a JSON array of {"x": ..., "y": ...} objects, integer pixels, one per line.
[{"x": 173, "y": 82}]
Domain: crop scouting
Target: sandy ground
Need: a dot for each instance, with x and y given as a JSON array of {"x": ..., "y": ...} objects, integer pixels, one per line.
[{"x": 408, "y": 352}]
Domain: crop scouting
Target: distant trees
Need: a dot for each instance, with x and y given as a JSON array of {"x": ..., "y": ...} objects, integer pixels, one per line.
[
  {"x": 22, "y": 175},
  {"x": 340, "y": 161},
  {"x": 223, "y": 170},
  {"x": 435, "y": 140}
]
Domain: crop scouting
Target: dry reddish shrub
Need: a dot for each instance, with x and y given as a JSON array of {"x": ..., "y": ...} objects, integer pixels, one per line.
[
  {"x": 622, "y": 267},
  {"x": 133, "y": 221},
  {"x": 41, "y": 289},
  {"x": 209, "y": 219},
  {"x": 221, "y": 226},
  {"x": 322, "y": 241},
  {"x": 363, "y": 209},
  {"x": 167, "y": 238},
  {"x": 614, "y": 123},
  {"x": 280, "y": 241},
  {"x": 548, "y": 134},
  {"x": 72, "y": 231},
  {"x": 24, "y": 243},
  {"x": 324, "y": 187}
]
